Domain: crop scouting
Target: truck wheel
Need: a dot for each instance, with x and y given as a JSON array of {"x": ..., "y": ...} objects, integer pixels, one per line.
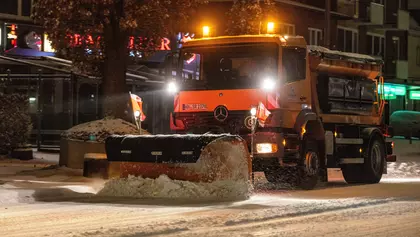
[
  {"x": 309, "y": 169},
  {"x": 371, "y": 170}
]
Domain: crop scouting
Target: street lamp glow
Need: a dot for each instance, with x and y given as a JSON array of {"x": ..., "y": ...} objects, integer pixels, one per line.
[
  {"x": 270, "y": 27},
  {"x": 206, "y": 31}
]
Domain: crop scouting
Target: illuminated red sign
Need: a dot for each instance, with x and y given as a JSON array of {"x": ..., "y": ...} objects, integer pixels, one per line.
[{"x": 134, "y": 43}]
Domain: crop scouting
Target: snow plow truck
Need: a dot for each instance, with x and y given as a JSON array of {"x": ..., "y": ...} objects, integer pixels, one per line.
[{"x": 270, "y": 103}]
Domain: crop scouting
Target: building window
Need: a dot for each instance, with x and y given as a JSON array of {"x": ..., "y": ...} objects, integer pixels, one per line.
[
  {"x": 396, "y": 46},
  {"x": 347, "y": 40},
  {"x": 376, "y": 45},
  {"x": 286, "y": 29},
  {"x": 9, "y": 7},
  {"x": 418, "y": 56},
  {"x": 26, "y": 7},
  {"x": 315, "y": 36}
]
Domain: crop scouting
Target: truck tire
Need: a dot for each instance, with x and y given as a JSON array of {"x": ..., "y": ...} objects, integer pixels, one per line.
[
  {"x": 309, "y": 171},
  {"x": 371, "y": 170}
]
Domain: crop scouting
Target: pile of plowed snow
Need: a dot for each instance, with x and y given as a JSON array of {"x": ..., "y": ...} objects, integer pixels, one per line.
[
  {"x": 101, "y": 129},
  {"x": 164, "y": 187}
]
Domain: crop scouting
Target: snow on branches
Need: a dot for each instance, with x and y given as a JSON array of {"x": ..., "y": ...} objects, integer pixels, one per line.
[{"x": 247, "y": 16}]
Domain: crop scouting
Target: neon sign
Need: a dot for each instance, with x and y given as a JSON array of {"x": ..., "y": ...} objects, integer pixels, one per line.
[
  {"x": 415, "y": 95},
  {"x": 134, "y": 43},
  {"x": 392, "y": 89}
]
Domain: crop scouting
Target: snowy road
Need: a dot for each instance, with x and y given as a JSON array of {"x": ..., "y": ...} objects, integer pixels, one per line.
[{"x": 62, "y": 204}]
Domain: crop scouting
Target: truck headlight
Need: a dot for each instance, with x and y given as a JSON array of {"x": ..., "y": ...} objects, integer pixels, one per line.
[
  {"x": 266, "y": 148},
  {"x": 172, "y": 87},
  {"x": 268, "y": 84}
]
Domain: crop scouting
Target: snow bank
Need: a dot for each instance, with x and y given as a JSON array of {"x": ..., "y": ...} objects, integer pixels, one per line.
[
  {"x": 403, "y": 170},
  {"x": 101, "y": 129},
  {"x": 164, "y": 187}
]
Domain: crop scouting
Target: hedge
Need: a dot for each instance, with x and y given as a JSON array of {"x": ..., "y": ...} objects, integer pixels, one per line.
[{"x": 15, "y": 122}]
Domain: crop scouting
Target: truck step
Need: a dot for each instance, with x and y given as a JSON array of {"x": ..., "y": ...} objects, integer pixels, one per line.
[
  {"x": 349, "y": 141},
  {"x": 291, "y": 151},
  {"x": 352, "y": 161}
]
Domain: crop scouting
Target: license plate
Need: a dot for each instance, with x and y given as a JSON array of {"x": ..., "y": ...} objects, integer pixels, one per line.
[{"x": 194, "y": 106}]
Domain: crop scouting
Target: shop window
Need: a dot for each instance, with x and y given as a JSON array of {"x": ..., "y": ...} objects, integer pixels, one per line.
[{"x": 9, "y": 7}]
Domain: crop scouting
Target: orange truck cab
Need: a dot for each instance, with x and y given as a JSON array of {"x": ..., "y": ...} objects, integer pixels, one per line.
[
  {"x": 325, "y": 110},
  {"x": 218, "y": 80}
]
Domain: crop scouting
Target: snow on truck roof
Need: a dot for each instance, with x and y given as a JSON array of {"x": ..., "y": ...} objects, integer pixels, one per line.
[{"x": 334, "y": 54}]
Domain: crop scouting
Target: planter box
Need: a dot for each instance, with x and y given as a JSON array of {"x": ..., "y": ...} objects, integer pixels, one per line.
[
  {"x": 22, "y": 153},
  {"x": 72, "y": 152}
]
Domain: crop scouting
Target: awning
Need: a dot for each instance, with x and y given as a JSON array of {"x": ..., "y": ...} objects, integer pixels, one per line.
[
  {"x": 64, "y": 66},
  {"x": 22, "y": 52}
]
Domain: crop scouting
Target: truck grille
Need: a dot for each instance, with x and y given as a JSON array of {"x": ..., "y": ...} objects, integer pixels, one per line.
[{"x": 234, "y": 123}]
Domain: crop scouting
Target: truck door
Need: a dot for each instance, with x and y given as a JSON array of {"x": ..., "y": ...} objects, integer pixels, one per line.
[{"x": 296, "y": 90}]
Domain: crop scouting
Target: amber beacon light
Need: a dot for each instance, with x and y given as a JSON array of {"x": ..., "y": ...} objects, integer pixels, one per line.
[
  {"x": 206, "y": 31},
  {"x": 270, "y": 27}
]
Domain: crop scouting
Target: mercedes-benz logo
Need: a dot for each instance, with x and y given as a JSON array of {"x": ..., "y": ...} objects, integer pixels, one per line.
[{"x": 220, "y": 113}]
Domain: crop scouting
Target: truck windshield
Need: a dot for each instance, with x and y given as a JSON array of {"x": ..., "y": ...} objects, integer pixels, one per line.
[{"x": 239, "y": 66}]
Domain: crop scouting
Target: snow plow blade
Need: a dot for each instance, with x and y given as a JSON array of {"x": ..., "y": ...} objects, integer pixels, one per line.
[{"x": 194, "y": 158}]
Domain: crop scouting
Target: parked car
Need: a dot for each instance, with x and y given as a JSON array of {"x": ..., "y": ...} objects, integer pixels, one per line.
[{"x": 405, "y": 123}]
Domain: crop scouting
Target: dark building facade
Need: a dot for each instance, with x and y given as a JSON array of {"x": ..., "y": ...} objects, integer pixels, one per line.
[
  {"x": 386, "y": 29},
  {"x": 305, "y": 18}
]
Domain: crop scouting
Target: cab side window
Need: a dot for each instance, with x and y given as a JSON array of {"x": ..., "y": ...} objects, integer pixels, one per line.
[{"x": 294, "y": 64}]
